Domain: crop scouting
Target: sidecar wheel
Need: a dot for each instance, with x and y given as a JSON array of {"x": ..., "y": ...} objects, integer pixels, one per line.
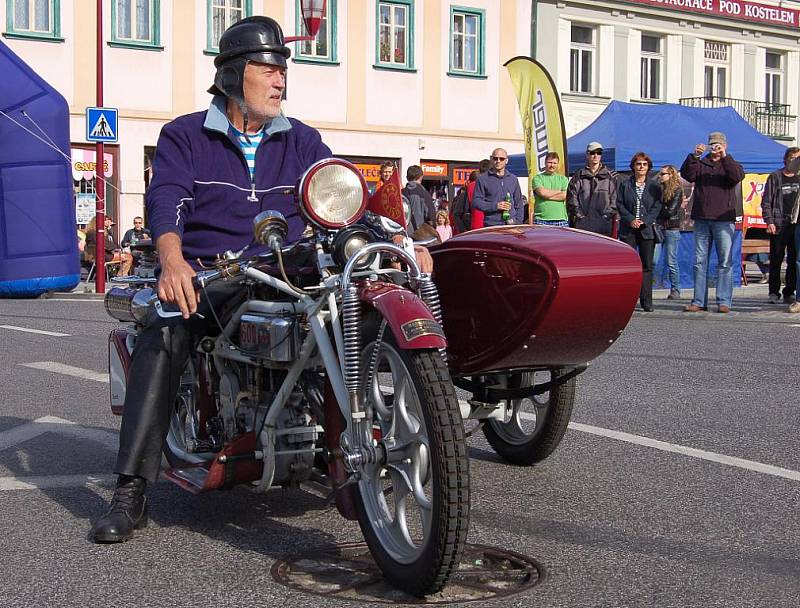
[
  {"x": 414, "y": 509},
  {"x": 537, "y": 425}
]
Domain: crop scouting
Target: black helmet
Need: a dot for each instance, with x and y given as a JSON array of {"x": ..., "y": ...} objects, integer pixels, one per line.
[{"x": 251, "y": 39}]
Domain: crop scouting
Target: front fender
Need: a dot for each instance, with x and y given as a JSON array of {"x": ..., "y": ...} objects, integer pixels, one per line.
[{"x": 412, "y": 323}]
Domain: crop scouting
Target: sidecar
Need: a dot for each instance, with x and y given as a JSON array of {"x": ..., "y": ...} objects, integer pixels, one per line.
[{"x": 525, "y": 309}]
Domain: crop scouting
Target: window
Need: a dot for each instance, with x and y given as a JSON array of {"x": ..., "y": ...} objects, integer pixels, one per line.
[
  {"x": 221, "y": 15},
  {"x": 466, "y": 41},
  {"x": 395, "y": 34},
  {"x": 652, "y": 58},
  {"x": 773, "y": 92},
  {"x": 33, "y": 19},
  {"x": 135, "y": 23},
  {"x": 716, "y": 69},
  {"x": 323, "y": 47},
  {"x": 581, "y": 59}
]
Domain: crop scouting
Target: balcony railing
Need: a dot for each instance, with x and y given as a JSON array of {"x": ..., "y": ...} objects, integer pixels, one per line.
[{"x": 771, "y": 119}]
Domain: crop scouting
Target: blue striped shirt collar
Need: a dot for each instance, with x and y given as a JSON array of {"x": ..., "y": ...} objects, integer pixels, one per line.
[{"x": 217, "y": 119}]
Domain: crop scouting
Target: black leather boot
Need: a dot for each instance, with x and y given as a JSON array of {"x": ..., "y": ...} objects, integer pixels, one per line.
[{"x": 128, "y": 512}]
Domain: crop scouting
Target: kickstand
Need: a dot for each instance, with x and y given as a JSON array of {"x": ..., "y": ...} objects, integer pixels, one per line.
[{"x": 348, "y": 482}]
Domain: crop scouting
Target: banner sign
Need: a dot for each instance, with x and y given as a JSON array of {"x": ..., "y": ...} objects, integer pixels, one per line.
[
  {"x": 461, "y": 175},
  {"x": 752, "y": 189},
  {"x": 433, "y": 169},
  {"x": 542, "y": 118},
  {"x": 83, "y": 164},
  {"x": 741, "y": 10}
]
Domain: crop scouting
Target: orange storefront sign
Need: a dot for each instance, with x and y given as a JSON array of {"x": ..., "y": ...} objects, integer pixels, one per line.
[
  {"x": 461, "y": 175},
  {"x": 434, "y": 169},
  {"x": 370, "y": 171}
]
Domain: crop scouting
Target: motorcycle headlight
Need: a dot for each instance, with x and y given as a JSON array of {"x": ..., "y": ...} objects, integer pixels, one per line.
[
  {"x": 333, "y": 194},
  {"x": 347, "y": 243}
]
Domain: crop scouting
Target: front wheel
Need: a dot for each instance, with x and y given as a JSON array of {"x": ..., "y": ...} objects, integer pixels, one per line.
[
  {"x": 536, "y": 425},
  {"x": 414, "y": 509}
]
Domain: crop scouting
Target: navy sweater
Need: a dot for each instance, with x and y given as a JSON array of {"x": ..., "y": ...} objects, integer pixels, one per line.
[{"x": 201, "y": 188}]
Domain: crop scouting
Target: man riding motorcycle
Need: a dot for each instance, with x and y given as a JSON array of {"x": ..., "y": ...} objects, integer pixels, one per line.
[{"x": 213, "y": 172}]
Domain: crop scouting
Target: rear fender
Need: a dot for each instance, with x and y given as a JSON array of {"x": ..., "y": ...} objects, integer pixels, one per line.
[
  {"x": 412, "y": 322},
  {"x": 120, "y": 346}
]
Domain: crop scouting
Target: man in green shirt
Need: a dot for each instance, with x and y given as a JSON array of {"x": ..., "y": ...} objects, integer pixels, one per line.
[{"x": 550, "y": 194}]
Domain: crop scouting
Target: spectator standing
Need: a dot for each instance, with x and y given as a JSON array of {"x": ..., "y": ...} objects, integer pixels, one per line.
[
  {"x": 135, "y": 234},
  {"x": 477, "y": 219},
  {"x": 640, "y": 206},
  {"x": 715, "y": 178},
  {"x": 497, "y": 193},
  {"x": 550, "y": 194},
  {"x": 419, "y": 199},
  {"x": 777, "y": 202},
  {"x": 672, "y": 199},
  {"x": 794, "y": 307},
  {"x": 443, "y": 228},
  {"x": 592, "y": 194}
]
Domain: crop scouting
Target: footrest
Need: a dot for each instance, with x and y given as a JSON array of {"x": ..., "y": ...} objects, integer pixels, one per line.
[{"x": 193, "y": 478}]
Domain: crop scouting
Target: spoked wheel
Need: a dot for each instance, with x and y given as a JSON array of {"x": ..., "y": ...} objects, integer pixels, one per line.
[
  {"x": 536, "y": 425},
  {"x": 183, "y": 437},
  {"x": 414, "y": 509}
]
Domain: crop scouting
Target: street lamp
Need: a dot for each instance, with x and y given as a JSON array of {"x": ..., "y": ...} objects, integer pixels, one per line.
[{"x": 312, "y": 11}]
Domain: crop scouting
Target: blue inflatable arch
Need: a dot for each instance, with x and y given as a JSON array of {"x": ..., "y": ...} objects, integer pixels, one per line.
[{"x": 38, "y": 239}]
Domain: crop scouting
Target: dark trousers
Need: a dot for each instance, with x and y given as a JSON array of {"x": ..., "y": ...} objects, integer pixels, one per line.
[
  {"x": 646, "y": 248},
  {"x": 159, "y": 358},
  {"x": 780, "y": 245}
]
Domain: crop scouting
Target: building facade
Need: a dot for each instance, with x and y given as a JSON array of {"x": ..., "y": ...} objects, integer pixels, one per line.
[{"x": 413, "y": 81}]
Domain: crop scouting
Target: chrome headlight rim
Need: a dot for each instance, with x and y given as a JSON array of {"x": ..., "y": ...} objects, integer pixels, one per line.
[
  {"x": 305, "y": 199},
  {"x": 343, "y": 241}
]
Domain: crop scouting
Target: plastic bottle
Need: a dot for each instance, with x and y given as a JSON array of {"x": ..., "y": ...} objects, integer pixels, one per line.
[{"x": 506, "y": 215}]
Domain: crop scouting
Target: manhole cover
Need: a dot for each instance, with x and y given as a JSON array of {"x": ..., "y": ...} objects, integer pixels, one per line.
[{"x": 348, "y": 572}]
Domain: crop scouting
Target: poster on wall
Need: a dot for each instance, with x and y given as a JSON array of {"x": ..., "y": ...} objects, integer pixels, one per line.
[{"x": 84, "y": 207}]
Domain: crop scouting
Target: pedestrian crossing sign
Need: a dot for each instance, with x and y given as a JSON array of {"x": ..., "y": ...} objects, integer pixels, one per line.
[{"x": 101, "y": 124}]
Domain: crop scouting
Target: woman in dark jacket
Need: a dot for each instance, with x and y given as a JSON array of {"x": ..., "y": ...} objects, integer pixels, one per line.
[
  {"x": 672, "y": 197},
  {"x": 639, "y": 206}
]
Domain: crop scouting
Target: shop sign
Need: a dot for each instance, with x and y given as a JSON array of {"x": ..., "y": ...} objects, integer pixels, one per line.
[
  {"x": 434, "y": 169},
  {"x": 371, "y": 172},
  {"x": 83, "y": 164},
  {"x": 461, "y": 175},
  {"x": 741, "y": 10}
]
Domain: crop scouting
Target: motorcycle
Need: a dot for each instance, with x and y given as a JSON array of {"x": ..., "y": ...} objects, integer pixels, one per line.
[
  {"x": 333, "y": 371},
  {"x": 334, "y": 366}
]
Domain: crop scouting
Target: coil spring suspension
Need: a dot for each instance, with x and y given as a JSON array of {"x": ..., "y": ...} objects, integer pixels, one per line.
[
  {"x": 430, "y": 295},
  {"x": 351, "y": 320}
]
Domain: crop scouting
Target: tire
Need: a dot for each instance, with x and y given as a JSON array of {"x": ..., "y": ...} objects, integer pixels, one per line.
[
  {"x": 414, "y": 514},
  {"x": 184, "y": 423},
  {"x": 522, "y": 443}
]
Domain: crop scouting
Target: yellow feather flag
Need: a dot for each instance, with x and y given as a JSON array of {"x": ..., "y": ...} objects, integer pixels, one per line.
[{"x": 542, "y": 118}]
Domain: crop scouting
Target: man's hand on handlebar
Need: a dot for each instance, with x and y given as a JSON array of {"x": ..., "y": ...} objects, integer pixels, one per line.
[
  {"x": 424, "y": 258},
  {"x": 175, "y": 284}
]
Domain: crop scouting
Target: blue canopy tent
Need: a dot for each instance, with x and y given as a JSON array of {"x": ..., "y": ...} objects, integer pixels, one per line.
[
  {"x": 38, "y": 240},
  {"x": 667, "y": 132}
]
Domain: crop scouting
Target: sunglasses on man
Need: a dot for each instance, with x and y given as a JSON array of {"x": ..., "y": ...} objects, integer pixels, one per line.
[
  {"x": 498, "y": 157},
  {"x": 595, "y": 152}
]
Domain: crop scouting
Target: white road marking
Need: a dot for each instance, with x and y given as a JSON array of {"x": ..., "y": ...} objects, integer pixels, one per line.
[
  {"x": 34, "y": 331},
  {"x": 68, "y": 370},
  {"x": 55, "y": 481},
  {"x": 53, "y": 424},
  {"x": 674, "y": 448},
  {"x": 75, "y": 300}
]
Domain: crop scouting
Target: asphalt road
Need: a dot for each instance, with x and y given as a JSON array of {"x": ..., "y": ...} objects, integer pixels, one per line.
[{"x": 616, "y": 520}]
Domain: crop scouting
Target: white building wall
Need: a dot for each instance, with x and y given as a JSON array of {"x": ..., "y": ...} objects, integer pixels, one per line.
[
  {"x": 455, "y": 111},
  {"x": 672, "y": 72}
]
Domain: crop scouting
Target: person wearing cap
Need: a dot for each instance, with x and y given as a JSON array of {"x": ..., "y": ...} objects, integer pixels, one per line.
[
  {"x": 592, "y": 194},
  {"x": 715, "y": 177},
  {"x": 113, "y": 252},
  {"x": 213, "y": 172}
]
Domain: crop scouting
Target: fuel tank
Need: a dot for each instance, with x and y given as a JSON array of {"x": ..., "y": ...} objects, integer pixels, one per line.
[{"x": 522, "y": 297}]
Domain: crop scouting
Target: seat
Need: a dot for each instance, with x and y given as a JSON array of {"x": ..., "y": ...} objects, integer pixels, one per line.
[
  {"x": 749, "y": 247},
  {"x": 110, "y": 268}
]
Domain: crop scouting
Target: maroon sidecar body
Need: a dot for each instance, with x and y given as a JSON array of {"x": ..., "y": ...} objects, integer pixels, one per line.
[{"x": 533, "y": 297}]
